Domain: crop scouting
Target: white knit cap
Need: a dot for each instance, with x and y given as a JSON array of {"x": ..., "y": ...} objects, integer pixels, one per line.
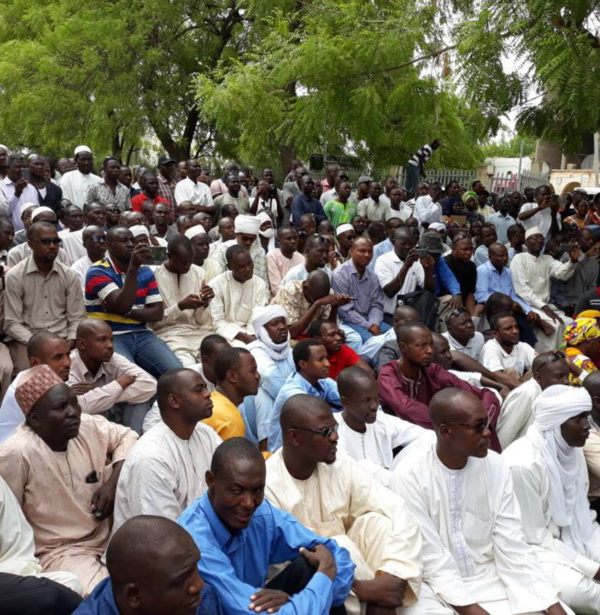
[
  {"x": 343, "y": 228},
  {"x": 247, "y": 225},
  {"x": 25, "y": 206},
  {"x": 40, "y": 210},
  {"x": 82, "y": 148},
  {"x": 534, "y": 230},
  {"x": 139, "y": 229},
  {"x": 437, "y": 226},
  {"x": 193, "y": 231}
]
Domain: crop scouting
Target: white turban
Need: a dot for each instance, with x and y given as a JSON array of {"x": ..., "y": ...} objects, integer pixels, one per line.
[
  {"x": 80, "y": 149},
  {"x": 568, "y": 503},
  {"x": 343, "y": 228},
  {"x": 534, "y": 230},
  {"x": 3, "y": 147},
  {"x": 263, "y": 217},
  {"x": 198, "y": 229},
  {"x": 139, "y": 229},
  {"x": 40, "y": 210},
  {"x": 247, "y": 225},
  {"x": 394, "y": 214},
  {"x": 260, "y": 317}
]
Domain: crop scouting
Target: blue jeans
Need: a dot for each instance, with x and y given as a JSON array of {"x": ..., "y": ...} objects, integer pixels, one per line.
[
  {"x": 365, "y": 334},
  {"x": 144, "y": 349}
]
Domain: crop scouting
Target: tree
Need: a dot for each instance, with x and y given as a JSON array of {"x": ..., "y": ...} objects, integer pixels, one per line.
[
  {"x": 338, "y": 77},
  {"x": 510, "y": 148},
  {"x": 111, "y": 74}
]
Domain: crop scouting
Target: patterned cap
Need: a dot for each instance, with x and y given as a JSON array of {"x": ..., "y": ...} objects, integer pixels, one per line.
[{"x": 35, "y": 382}]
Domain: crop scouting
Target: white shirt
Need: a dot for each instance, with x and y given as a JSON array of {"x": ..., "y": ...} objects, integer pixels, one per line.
[
  {"x": 473, "y": 545},
  {"x": 426, "y": 211},
  {"x": 387, "y": 267},
  {"x": 12, "y": 209},
  {"x": 163, "y": 474},
  {"x": 473, "y": 347},
  {"x": 75, "y": 186},
  {"x": 516, "y": 413},
  {"x": 80, "y": 267},
  {"x": 198, "y": 193},
  {"x": 531, "y": 276},
  {"x": 11, "y": 415},
  {"x": 73, "y": 246},
  {"x": 496, "y": 359},
  {"x": 543, "y": 219},
  {"x": 299, "y": 272},
  {"x": 374, "y": 449}
]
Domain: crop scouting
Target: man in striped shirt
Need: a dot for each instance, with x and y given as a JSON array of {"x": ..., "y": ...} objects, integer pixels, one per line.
[
  {"x": 415, "y": 167},
  {"x": 124, "y": 293}
]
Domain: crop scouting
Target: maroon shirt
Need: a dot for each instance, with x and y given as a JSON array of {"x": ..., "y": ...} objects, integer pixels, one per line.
[{"x": 409, "y": 399}]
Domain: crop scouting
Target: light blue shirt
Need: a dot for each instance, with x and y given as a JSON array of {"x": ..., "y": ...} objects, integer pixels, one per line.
[
  {"x": 273, "y": 375},
  {"x": 481, "y": 255},
  {"x": 489, "y": 281},
  {"x": 383, "y": 247},
  {"x": 235, "y": 565},
  {"x": 295, "y": 384},
  {"x": 501, "y": 224}
]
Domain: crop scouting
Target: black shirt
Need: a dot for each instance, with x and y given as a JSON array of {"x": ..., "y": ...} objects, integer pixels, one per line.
[{"x": 465, "y": 273}]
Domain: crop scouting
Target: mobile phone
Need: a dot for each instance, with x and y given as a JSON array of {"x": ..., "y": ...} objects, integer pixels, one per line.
[{"x": 158, "y": 255}]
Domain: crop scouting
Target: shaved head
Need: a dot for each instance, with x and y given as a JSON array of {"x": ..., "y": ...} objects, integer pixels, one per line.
[
  {"x": 318, "y": 284},
  {"x": 406, "y": 331},
  {"x": 592, "y": 384},
  {"x": 299, "y": 409},
  {"x": 91, "y": 327},
  {"x": 448, "y": 405}
]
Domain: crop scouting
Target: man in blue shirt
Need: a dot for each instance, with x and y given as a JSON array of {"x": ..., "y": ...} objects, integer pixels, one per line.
[
  {"x": 305, "y": 203},
  {"x": 311, "y": 377},
  {"x": 242, "y": 534},
  {"x": 153, "y": 569}
]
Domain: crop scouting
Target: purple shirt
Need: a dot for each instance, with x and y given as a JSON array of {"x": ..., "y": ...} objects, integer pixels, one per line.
[{"x": 367, "y": 307}]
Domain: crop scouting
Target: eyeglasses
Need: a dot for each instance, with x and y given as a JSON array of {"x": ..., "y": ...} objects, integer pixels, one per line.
[
  {"x": 479, "y": 427},
  {"x": 98, "y": 238},
  {"x": 48, "y": 242},
  {"x": 326, "y": 432},
  {"x": 456, "y": 312},
  {"x": 557, "y": 355}
]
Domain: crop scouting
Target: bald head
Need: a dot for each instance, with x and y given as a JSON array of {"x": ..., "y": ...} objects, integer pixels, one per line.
[
  {"x": 592, "y": 384},
  {"x": 497, "y": 248},
  {"x": 448, "y": 405},
  {"x": 406, "y": 331},
  {"x": 145, "y": 549},
  {"x": 300, "y": 409},
  {"x": 318, "y": 284},
  {"x": 91, "y": 327}
]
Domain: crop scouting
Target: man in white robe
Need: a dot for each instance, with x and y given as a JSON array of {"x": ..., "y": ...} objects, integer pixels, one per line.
[
  {"x": 551, "y": 484},
  {"x": 237, "y": 292},
  {"x": 475, "y": 559},
  {"x": 335, "y": 498},
  {"x": 532, "y": 272},
  {"x": 164, "y": 472},
  {"x": 366, "y": 433},
  {"x": 75, "y": 184},
  {"x": 186, "y": 319},
  {"x": 516, "y": 413},
  {"x": 274, "y": 361}
]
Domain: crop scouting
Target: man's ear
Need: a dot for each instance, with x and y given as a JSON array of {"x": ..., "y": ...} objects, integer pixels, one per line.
[
  {"x": 209, "y": 478},
  {"x": 132, "y": 595}
]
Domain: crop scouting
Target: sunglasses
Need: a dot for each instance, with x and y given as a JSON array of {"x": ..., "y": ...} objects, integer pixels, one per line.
[
  {"x": 48, "y": 242},
  {"x": 326, "y": 432},
  {"x": 479, "y": 427}
]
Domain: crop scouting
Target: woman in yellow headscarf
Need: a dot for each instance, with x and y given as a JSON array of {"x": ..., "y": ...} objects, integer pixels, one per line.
[{"x": 582, "y": 338}]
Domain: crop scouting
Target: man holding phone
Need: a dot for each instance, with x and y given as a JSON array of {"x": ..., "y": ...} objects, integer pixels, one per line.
[
  {"x": 543, "y": 213},
  {"x": 123, "y": 292}
]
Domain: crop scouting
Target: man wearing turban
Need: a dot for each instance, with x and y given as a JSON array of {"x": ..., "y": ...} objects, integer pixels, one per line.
[{"x": 551, "y": 484}]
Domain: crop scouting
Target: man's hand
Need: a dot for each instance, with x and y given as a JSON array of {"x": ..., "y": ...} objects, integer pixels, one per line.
[
  {"x": 125, "y": 380},
  {"x": 374, "y": 330},
  {"x": 533, "y": 318},
  {"x": 384, "y": 590},
  {"x": 435, "y": 144},
  {"x": 574, "y": 253},
  {"x": 334, "y": 300},
  {"x": 206, "y": 294},
  {"x": 555, "y": 609},
  {"x": 455, "y": 302},
  {"x": 320, "y": 558},
  {"x": 593, "y": 251},
  {"x": 504, "y": 391},
  {"x": 191, "y": 302},
  {"x": 545, "y": 203},
  {"x": 427, "y": 262},
  {"x": 81, "y": 388},
  {"x": 549, "y": 312},
  {"x": 516, "y": 308},
  {"x": 333, "y": 260},
  {"x": 268, "y": 600},
  {"x": 20, "y": 185},
  {"x": 411, "y": 258},
  {"x": 139, "y": 255},
  {"x": 244, "y": 337},
  {"x": 103, "y": 501},
  {"x": 505, "y": 381}
]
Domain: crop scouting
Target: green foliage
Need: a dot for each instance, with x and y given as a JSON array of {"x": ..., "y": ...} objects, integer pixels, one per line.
[{"x": 509, "y": 148}]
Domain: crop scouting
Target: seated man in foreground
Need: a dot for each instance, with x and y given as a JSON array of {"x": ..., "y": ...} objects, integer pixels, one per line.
[
  {"x": 74, "y": 457},
  {"x": 242, "y": 534},
  {"x": 406, "y": 386},
  {"x": 475, "y": 559},
  {"x": 152, "y": 564},
  {"x": 551, "y": 484},
  {"x": 336, "y": 498}
]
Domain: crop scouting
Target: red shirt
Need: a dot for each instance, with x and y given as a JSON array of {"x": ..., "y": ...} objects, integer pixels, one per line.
[
  {"x": 139, "y": 199},
  {"x": 344, "y": 357}
]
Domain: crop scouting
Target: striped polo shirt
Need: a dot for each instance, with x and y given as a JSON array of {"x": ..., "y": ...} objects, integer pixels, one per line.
[{"x": 102, "y": 279}]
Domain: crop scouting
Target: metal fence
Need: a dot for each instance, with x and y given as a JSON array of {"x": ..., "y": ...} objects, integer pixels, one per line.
[{"x": 498, "y": 183}]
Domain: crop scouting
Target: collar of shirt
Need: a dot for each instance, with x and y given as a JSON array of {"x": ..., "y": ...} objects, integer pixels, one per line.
[
  {"x": 225, "y": 539},
  {"x": 32, "y": 267},
  {"x": 7, "y": 181},
  {"x": 307, "y": 386},
  {"x": 114, "y": 265}
]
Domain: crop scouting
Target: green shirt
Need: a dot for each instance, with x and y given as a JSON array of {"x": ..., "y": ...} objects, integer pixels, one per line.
[{"x": 339, "y": 213}]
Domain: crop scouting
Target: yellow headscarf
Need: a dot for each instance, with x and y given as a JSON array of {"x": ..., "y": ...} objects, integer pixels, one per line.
[{"x": 581, "y": 330}]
